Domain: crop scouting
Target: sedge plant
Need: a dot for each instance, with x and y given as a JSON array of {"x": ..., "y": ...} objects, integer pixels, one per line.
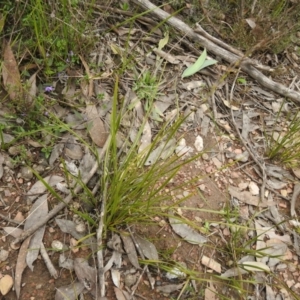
[{"x": 285, "y": 146}]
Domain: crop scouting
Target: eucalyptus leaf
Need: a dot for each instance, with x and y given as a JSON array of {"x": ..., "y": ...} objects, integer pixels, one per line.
[
  {"x": 163, "y": 42},
  {"x": 200, "y": 64}
]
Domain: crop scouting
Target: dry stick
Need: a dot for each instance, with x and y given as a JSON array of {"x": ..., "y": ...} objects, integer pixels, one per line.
[
  {"x": 217, "y": 41},
  {"x": 63, "y": 204},
  {"x": 138, "y": 282},
  {"x": 48, "y": 262},
  {"x": 246, "y": 64},
  {"x": 101, "y": 271}
]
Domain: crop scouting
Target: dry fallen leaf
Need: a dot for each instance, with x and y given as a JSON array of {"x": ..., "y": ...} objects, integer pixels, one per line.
[
  {"x": 40, "y": 188},
  {"x": 246, "y": 197},
  {"x": 169, "y": 288},
  {"x": 73, "y": 149},
  {"x": 68, "y": 226},
  {"x": 210, "y": 293},
  {"x": 119, "y": 294},
  {"x": 163, "y": 151},
  {"x": 116, "y": 277},
  {"x": 146, "y": 137},
  {"x": 96, "y": 126},
  {"x": 186, "y": 232},
  {"x": 13, "y": 231},
  {"x": 38, "y": 211},
  {"x": 10, "y": 73},
  {"x": 130, "y": 250},
  {"x": 21, "y": 265},
  {"x": 147, "y": 248},
  {"x": 115, "y": 259},
  {"x": 233, "y": 272},
  {"x": 31, "y": 94},
  {"x": 86, "y": 274},
  {"x": 255, "y": 266},
  {"x": 69, "y": 292}
]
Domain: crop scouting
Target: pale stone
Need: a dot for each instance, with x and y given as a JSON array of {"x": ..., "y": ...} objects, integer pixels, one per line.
[
  {"x": 6, "y": 283},
  {"x": 253, "y": 188},
  {"x": 199, "y": 143}
]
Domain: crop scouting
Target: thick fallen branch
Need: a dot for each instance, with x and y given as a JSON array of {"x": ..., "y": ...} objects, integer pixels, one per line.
[{"x": 246, "y": 64}]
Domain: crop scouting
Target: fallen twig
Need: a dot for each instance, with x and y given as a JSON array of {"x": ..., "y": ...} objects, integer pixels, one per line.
[
  {"x": 101, "y": 271},
  {"x": 48, "y": 262},
  {"x": 246, "y": 64}
]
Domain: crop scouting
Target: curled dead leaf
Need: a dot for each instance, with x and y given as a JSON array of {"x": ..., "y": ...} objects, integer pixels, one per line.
[{"x": 10, "y": 73}]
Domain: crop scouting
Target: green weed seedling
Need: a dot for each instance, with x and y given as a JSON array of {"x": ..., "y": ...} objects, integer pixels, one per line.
[{"x": 146, "y": 86}]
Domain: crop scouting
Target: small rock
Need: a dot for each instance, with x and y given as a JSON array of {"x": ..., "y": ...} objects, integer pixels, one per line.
[
  {"x": 175, "y": 273},
  {"x": 226, "y": 232},
  {"x": 292, "y": 268},
  {"x": 238, "y": 151},
  {"x": 235, "y": 175},
  {"x": 205, "y": 156},
  {"x": 130, "y": 280},
  {"x": 6, "y": 283},
  {"x": 244, "y": 212},
  {"x": 14, "y": 150},
  {"x": 208, "y": 169},
  {"x": 243, "y": 157},
  {"x": 243, "y": 185},
  {"x": 186, "y": 194},
  {"x": 19, "y": 217},
  {"x": 199, "y": 143},
  {"x": 281, "y": 267},
  {"x": 216, "y": 162},
  {"x": 80, "y": 228},
  {"x": 283, "y": 193},
  {"x": 253, "y": 188},
  {"x": 58, "y": 246},
  {"x": 202, "y": 187},
  {"x": 297, "y": 285},
  {"x": 282, "y": 205},
  {"x": 39, "y": 168},
  {"x": 290, "y": 283},
  {"x": 3, "y": 255},
  {"x": 26, "y": 173}
]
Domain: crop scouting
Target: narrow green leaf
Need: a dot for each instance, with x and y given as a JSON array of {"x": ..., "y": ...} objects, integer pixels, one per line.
[
  {"x": 191, "y": 70},
  {"x": 208, "y": 62},
  {"x": 200, "y": 64},
  {"x": 163, "y": 42}
]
